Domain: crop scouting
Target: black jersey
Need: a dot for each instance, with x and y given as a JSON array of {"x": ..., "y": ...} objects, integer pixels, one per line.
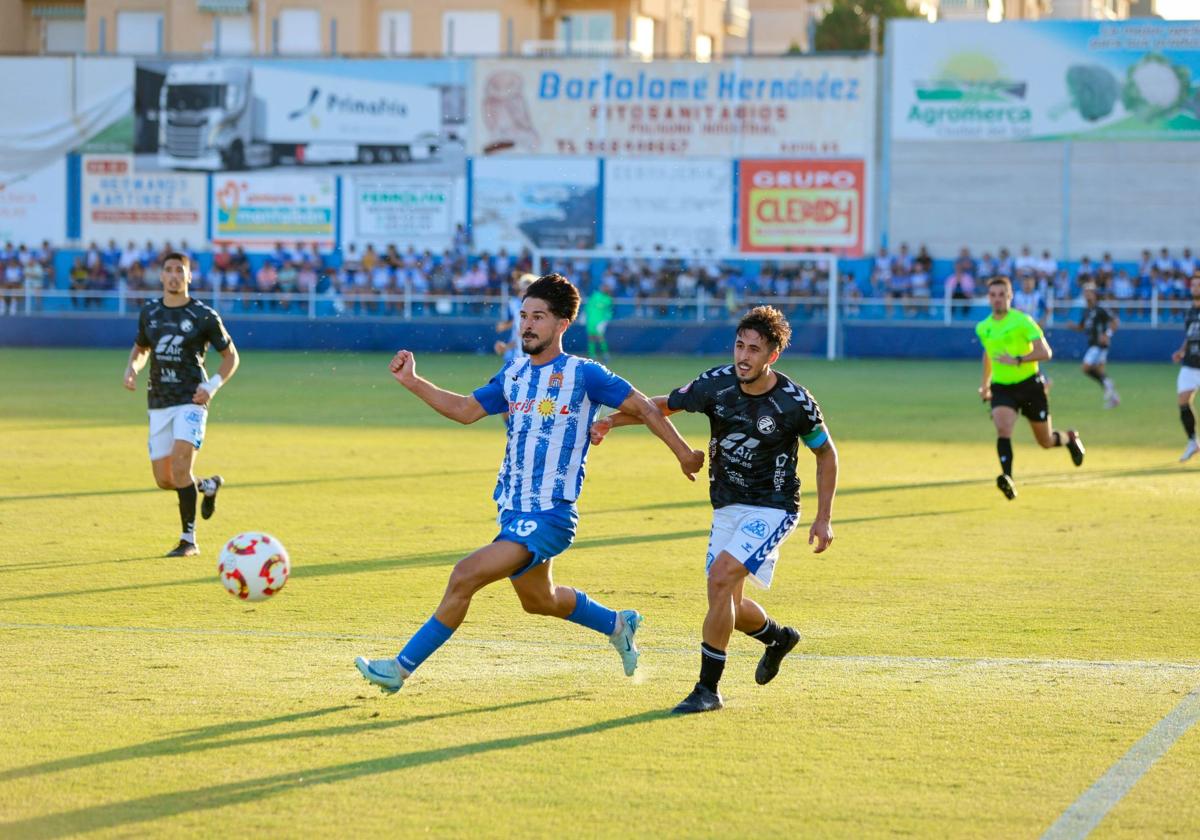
[
  {"x": 1096, "y": 321},
  {"x": 178, "y": 337},
  {"x": 1191, "y": 348},
  {"x": 755, "y": 439}
]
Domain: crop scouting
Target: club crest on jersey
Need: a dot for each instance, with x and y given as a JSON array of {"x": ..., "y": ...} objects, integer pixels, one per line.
[
  {"x": 186, "y": 325},
  {"x": 766, "y": 424},
  {"x": 556, "y": 380}
]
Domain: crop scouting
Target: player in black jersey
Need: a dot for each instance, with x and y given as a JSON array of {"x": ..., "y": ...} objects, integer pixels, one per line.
[
  {"x": 757, "y": 418},
  {"x": 1099, "y": 324},
  {"x": 173, "y": 334},
  {"x": 1188, "y": 355}
]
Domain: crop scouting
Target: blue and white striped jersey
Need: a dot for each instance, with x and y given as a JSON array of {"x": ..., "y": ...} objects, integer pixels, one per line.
[{"x": 550, "y": 409}]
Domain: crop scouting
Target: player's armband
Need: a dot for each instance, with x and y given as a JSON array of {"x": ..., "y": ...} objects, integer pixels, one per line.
[{"x": 815, "y": 438}]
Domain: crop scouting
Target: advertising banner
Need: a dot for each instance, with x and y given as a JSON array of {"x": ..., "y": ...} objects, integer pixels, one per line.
[
  {"x": 384, "y": 209},
  {"x": 681, "y": 205},
  {"x": 263, "y": 114},
  {"x": 797, "y": 205},
  {"x": 264, "y": 209},
  {"x": 34, "y": 208},
  {"x": 811, "y": 107},
  {"x": 1046, "y": 80},
  {"x": 534, "y": 203},
  {"x": 121, "y": 204}
]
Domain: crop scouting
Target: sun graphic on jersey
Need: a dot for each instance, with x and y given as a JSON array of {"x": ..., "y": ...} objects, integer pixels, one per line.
[{"x": 546, "y": 407}]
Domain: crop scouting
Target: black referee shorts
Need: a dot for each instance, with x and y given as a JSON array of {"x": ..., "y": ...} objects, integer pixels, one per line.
[{"x": 1027, "y": 396}]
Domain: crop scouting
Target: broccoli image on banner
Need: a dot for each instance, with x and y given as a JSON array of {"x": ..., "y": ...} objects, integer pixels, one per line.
[
  {"x": 1154, "y": 87},
  {"x": 1093, "y": 90}
]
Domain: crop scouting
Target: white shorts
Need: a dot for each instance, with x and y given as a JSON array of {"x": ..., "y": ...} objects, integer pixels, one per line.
[
  {"x": 176, "y": 422},
  {"x": 752, "y": 536},
  {"x": 1189, "y": 380},
  {"x": 1095, "y": 356}
]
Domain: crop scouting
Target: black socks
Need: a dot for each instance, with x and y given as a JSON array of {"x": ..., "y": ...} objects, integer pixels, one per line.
[
  {"x": 1004, "y": 450},
  {"x": 187, "y": 511},
  {"x": 769, "y": 634},
  {"x": 1188, "y": 418},
  {"x": 712, "y": 665}
]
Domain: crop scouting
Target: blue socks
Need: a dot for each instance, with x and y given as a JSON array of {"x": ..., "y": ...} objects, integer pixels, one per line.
[
  {"x": 592, "y": 615},
  {"x": 432, "y": 635}
]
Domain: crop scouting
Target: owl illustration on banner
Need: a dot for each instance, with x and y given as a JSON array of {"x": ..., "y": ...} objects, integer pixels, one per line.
[{"x": 506, "y": 114}]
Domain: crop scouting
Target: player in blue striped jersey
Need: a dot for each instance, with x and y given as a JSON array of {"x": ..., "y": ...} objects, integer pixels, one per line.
[{"x": 550, "y": 400}]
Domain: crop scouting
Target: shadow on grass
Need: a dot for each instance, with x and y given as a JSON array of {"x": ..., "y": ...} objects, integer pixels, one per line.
[
  {"x": 166, "y": 805},
  {"x": 215, "y": 737},
  {"x": 412, "y": 561},
  {"x": 289, "y": 482}
]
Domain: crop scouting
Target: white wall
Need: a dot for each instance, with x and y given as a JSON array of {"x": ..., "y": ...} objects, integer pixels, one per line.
[{"x": 1123, "y": 196}]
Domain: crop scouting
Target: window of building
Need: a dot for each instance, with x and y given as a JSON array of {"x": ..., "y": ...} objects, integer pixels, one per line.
[
  {"x": 643, "y": 37},
  {"x": 395, "y": 33},
  {"x": 64, "y": 36},
  {"x": 139, "y": 33},
  {"x": 235, "y": 34},
  {"x": 704, "y": 48},
  {"x": 299, "y": 32},
  {"x": 585, "y": 28},
  {"x": 471, "y": 33}
]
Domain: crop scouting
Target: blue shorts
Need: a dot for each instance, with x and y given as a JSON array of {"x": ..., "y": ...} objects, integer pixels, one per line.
[{"x": 547, "y": 533}]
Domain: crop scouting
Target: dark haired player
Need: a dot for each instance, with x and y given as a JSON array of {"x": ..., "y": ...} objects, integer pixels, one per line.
[
  {"x": 173, "y": 334},
  {"x": 550, "y": 399},
  {"x": 1099, "y": 324},
  {"x": 1013, "y": 344},
  {"x": 1188, "y": 357},
  {"x": 757, "y": 418}
]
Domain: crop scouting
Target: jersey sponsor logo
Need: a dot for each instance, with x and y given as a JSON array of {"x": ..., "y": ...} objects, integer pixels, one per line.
[
  {"x": 766, "y": 424},
  {"x": 739, "y": 448},
  {"x": 544, "y": 407},
  {"x": 523, "y": 527},
  {"x": 169, "y": 347},
  {"x": 168, "y": 377},
  {"x": 781, "y": 472},
  {"x": 755, "y": 528}
]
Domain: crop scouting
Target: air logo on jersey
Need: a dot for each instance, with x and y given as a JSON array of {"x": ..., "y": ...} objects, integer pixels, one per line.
[
  {"x": 739, "y": 448},
  {"x": 169, "y": 346},
  {"x": 766, "y": 424}
]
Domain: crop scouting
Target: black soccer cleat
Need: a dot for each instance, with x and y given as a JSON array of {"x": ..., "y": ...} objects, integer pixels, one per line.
[
  {"x": 1075, "y": 447},
  {"x": 184, "y": 549},
  {"x": 1005, "y": 483},
  {"x": 209, "y": 505},
  {"x": 768, "y": 666},
  {"x": 700, "y": 700}
]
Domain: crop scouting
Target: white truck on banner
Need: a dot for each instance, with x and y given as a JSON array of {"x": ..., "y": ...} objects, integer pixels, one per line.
[{"x": 229, "y": 116}]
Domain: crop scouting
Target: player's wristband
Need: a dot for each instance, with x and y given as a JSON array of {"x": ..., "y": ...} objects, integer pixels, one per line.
[{"x": 213, "y": 384}]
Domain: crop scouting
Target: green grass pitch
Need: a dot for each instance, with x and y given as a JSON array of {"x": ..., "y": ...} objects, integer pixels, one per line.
[{"x": 970, "y": 666}]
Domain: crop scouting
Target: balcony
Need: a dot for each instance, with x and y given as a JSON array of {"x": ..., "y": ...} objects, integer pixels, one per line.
[
  {"x": 589, "y": 49},
  {"x": 737, "y": 18}
]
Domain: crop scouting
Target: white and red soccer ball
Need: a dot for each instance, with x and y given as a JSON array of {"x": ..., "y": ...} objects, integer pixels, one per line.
[{"x": 253, "y": 566}]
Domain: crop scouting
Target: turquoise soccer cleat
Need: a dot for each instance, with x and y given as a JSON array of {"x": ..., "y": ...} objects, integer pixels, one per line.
[
  {"x": 385, "y": 673},
  {"x": 623, "y": 641}
]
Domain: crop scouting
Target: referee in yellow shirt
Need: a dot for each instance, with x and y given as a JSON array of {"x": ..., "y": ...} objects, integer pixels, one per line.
[{"x": 1013, "y": 344}]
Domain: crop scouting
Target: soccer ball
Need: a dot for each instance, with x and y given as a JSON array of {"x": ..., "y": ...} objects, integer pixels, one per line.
[{"x": 253, "y": 566}]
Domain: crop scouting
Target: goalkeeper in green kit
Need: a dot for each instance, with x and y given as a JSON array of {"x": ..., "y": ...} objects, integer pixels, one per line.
[{"x": 598, "y": 311}]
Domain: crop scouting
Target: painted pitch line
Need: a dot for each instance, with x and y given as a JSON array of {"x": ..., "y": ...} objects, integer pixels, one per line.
[
  {"x": 857, "y": 659},
  {"x": 1093, "y": 805}
]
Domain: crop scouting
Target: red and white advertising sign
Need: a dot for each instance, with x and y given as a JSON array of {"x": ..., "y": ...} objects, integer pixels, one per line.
[
  {"x": 121, "y": 204},
  {"x": 801, "y": 205}
]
